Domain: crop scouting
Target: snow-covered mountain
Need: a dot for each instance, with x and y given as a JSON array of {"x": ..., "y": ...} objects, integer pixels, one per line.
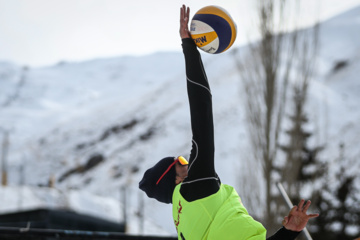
[{"x": 96, "y": 126}]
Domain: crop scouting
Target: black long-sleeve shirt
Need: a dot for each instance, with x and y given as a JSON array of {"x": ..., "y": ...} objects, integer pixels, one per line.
[{"x": 202, "y": 180}]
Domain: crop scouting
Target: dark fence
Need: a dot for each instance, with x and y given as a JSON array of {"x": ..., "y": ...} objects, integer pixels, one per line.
[
  {"x": 58, "y": 219},
  {"x": 10, "y": 233}
]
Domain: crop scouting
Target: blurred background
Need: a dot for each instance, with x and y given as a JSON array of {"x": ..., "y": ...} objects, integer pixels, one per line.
[
  {"x": 87, "y": 105},
  {"x": 39, "y": 32}
]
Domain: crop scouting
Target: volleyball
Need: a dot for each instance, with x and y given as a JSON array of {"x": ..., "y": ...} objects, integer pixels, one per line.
[{"x": 213, "y": 29}]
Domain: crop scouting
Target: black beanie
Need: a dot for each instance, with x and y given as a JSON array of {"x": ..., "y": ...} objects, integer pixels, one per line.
[{"x": 160, "y": 190}]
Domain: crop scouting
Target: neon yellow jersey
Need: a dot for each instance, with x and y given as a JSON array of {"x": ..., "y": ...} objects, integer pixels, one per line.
[{"x": 218, "y": 216}]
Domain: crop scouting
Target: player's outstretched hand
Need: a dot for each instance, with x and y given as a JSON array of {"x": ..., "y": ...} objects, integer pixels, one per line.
[
  {"x": 184, "y": 22},
  {"x": 297, "y": 218}
]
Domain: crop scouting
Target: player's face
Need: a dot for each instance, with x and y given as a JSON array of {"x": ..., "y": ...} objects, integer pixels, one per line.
[{"x": 181, "y": 172}]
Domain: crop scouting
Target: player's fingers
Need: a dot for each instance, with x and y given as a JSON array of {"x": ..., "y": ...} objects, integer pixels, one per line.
[
  {"x": 187, "y": 14},
  {"x": 181, "y": 13}
]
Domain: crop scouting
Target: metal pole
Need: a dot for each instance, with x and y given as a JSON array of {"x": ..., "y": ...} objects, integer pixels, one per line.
[
  {"x": 141, "y": 213},
  {"x": 290, "y": 205},
  {"x": 124, "y": 200}
]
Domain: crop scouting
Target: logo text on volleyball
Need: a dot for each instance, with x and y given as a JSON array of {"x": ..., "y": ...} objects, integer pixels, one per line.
[{"x": 200, "y": 40}]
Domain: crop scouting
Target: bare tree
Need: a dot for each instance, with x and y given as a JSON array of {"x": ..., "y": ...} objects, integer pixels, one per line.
[
  {"x": 296, "y": 149},
  {"x": 4, "y": 151},
  {"x": 266, "y": 72},
  {"x": 16, "y": 92}
]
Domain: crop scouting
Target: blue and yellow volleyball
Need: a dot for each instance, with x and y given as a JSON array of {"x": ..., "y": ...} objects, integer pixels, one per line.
[{"x": 213, "y": 29}]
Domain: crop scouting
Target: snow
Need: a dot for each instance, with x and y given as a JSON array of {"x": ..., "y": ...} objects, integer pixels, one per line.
[{"x": 60, "y": 114}]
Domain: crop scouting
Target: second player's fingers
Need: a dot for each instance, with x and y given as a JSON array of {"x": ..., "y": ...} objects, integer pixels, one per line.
[
  {"x": 293, "y": 209},
  {"x": 301, "y": 204},
  {"x": 313, "y": 215},
  {"x": 307, "y": 205},
  {"x": 285, "y": 220}
]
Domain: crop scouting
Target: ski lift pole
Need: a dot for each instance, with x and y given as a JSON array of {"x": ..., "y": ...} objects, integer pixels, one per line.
[{"x": 290, "y": 205}]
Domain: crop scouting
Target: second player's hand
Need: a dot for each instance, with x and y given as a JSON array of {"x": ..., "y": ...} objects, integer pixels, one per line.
[{"x": 298, "y": 218}]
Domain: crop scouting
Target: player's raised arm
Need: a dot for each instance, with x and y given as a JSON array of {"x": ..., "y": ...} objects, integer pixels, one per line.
[{"x": 184, "y": 22}]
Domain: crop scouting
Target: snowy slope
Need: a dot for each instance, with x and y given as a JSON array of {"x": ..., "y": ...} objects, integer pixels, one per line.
[
  {"x": 133, "y": 111},
  {"x": 335, "y": 94}
]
